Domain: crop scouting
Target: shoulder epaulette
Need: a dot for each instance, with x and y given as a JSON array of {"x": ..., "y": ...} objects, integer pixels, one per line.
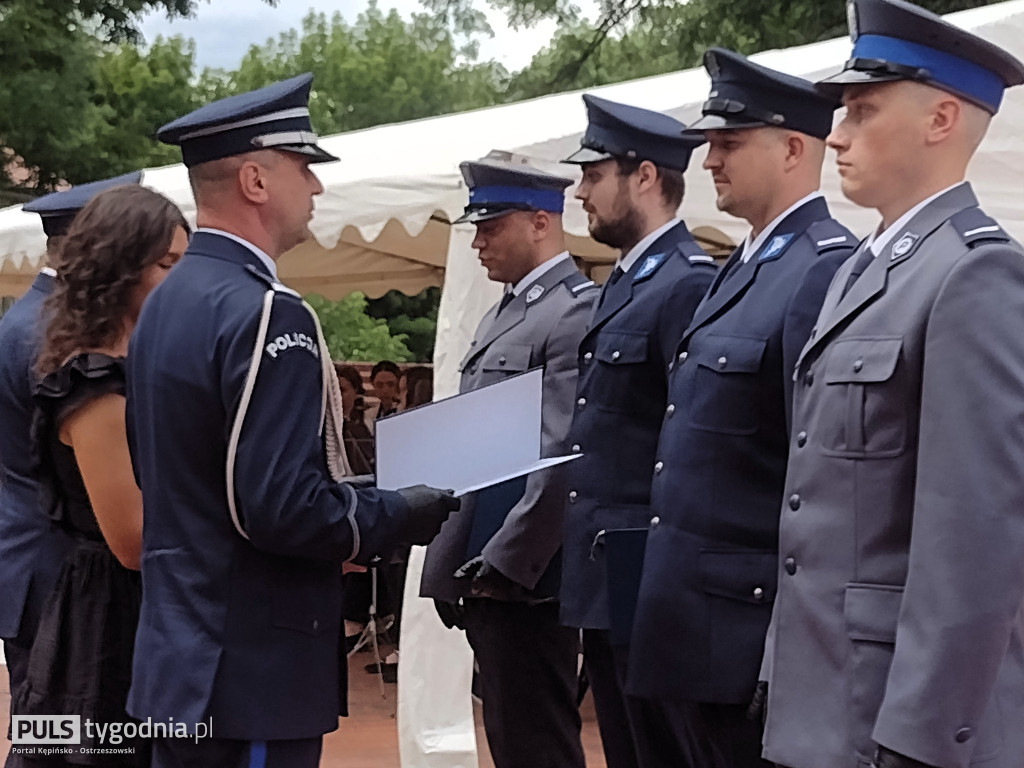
[
  {"x": 700, "y": 258},
  {"x": 976, "y": 227},
  {"x": 577, "y": 283},
  {"x": 271, "y": 282},
  {"x": 830, "y": 235}
]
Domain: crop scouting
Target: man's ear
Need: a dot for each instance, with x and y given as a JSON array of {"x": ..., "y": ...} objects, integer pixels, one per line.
[
  {"x": 946, "y": 115},
  {"x": 252, "y": 181}
]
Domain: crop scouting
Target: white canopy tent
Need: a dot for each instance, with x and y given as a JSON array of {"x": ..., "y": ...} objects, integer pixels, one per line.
[{"x": 382, "y": 223}]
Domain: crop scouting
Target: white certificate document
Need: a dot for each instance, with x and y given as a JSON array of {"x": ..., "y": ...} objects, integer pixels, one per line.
[{"x": 467, "y": 442}]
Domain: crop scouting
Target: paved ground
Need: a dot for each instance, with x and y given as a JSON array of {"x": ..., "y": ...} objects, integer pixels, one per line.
[{"x": 368, "y": 737}]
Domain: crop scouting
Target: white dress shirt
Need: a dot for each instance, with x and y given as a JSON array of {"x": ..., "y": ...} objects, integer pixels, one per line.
[
  {"x": 261, "y": 255},
  {"x": 750, "y": 248}
]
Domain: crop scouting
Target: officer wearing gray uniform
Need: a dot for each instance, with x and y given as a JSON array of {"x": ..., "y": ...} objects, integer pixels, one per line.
[
  {"x": 897, "y": 635},
  {"x": 500, "y": 554}
]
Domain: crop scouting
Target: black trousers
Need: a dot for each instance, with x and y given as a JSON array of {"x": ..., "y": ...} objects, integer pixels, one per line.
[
  {"x": 710, "y": 735},
  {"x": 229, "y": 753},
  {"x": 528, "y": 681},
  {"x": 635, "y": 732},
  {"x": 16, "y": 652}
]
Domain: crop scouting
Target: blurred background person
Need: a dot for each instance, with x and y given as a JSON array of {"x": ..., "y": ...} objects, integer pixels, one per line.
[
  {"x": 419, "y": 386},
  {"x": 32, "y": 546},
  {"x": 385, "y": 378},
  {"x": 119, "y": 248},
  {"x": 358, "y": 438}
]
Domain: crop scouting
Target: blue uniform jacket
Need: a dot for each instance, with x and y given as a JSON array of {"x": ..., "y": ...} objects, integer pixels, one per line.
[
  {"x": 244, "y": 534},
  {"x": 709, "y": 571},
  {"x": 620, "y": 402},
  {"x": 32, "y": 548}
]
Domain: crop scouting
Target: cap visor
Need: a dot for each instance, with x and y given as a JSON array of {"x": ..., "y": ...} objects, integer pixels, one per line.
[
  {"x": 584, "y": 155},
  {"x": 833, "y": 86},
  {"x": 314, "y": 152},
  {"x": 483, "y": 214},
  {"x": 718, "y": 123}
]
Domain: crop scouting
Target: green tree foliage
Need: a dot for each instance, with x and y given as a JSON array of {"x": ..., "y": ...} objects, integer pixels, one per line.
[
  {"x": 351, "y": 334},
  {"x": 116, "y": 20},
  {"x": 381, "y": 69},
  {"x": 414, "y": 317},
  {"x": 638, "y": 38}
]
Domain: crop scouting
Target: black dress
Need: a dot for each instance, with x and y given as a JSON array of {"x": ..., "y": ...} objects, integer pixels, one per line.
[{"x": 81, "y": 658}]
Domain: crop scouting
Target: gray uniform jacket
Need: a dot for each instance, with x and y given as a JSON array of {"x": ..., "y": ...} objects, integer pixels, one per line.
[
  {"x": 898, "y": 619},
  {"x": 542, "y": 326}
]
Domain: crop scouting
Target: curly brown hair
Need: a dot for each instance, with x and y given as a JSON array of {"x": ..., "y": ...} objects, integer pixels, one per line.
[{"x": 111, "y": 242}]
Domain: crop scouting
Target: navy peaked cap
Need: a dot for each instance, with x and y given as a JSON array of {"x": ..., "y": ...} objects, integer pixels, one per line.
[
  {"x": 497, "y": 188},
  {"x": 273, "y": 117},
  {"x": 748, "y": 95},
  {"x": 619, "y": 130},
  {"x": 894, "y": 40},
  {"x": 58, "y": 209}
]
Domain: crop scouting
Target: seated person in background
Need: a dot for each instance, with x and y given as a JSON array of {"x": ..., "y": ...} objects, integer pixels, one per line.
[
  {"x": 419, "y": 386},
  {"x": 119, "y": 248},
  {"x": 358, "y": 437},
  {"x": 385, "y": 377}
]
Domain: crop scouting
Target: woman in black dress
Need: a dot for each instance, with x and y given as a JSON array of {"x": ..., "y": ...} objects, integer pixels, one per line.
[{"x": 120, "y": 246}]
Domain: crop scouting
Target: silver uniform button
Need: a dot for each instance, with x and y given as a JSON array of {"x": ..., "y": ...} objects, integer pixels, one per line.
[
  {"x": 576, "y": 448},
  {"x": 616, "y": 355},
  {"x": 671, "y": 409},
  {"x": 758, "y": 593},
  {"x": 581, "y": 402},
  {"x": 654, "y": 521},
  {"x": 658, "y": 467},
  {"x": 683, "y": 356},
  {"x": 722, "y": 361},
  {"x": 588, "y": 357},
  {"x": 501, "y": 360},
  {"x": 572, "y": 495}
]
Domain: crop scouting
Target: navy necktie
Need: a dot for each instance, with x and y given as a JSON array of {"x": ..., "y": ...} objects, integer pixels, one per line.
[
  {"x": 864, "y": 258},
  {"x": 615, "y": 276},
  {"x": 505, "y": 301}
]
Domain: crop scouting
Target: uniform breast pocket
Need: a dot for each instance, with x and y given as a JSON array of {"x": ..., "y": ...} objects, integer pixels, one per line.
[
  {"x": 865, "y": 415},
  {"x": 622, "y": 359},
  {"x": 508, "y": 358},
  {"x": 725, "y": 386}
]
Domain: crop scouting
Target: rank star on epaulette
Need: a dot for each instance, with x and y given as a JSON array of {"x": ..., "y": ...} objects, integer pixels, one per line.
[{"x": 649, "y": 266}]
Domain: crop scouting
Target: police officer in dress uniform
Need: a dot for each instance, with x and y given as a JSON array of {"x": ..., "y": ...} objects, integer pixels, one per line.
[
  {"x": 245, "y": 527},
  {"x": 709, "y": 568},
  {"x": 527, "y": 661},
  {"x": 632, "y": 161},
  {"x": 32, "y": 548},
  {"x": 898, "y": 628}
]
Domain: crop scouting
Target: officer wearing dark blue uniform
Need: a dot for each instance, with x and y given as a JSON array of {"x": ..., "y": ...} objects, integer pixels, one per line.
[
  {"x": 708, "y": 583},
  {"x": 633, "y": 162},
  {"x": 247, "y": 522},
  {"x": 31, "y": 546}
]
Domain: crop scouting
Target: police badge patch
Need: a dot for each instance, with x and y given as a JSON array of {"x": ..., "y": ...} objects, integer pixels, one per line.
[
  {"x": 903, "y": 246},
  {"x": 649, "y": 266},
  {"x": 535, "y": 293},
  {"x": 775, "y": 246}
]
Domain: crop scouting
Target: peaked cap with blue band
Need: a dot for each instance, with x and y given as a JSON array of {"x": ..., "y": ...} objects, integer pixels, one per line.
[
  {"x": 273, "y": 117},
  {"x": 748, "y": 95},
  {"x": 58, "y": 209},
  {"x": 619, "y": 130},
  {"x": 497, "y": 189},
  {"x": 894, "y": 40}
]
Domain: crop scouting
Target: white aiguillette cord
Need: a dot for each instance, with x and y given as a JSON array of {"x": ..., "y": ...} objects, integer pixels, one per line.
[{"x": 332, "y": 415}]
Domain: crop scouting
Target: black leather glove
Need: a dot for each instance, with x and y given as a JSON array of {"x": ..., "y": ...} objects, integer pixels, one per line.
[
  {"x": 488, "y": 581},
  {"x": 428, "y": 509},
  {"x": 451, "y": 613},
  {"x": 886, "y": 758},
  {"x": 758, "y": 709}
]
